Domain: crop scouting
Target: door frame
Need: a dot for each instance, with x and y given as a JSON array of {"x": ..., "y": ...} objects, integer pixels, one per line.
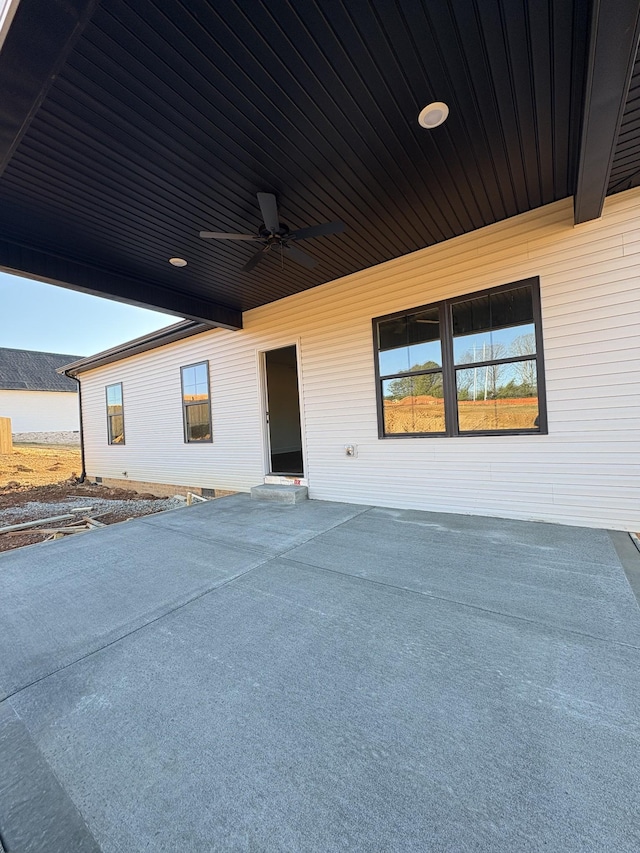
[{"x": 262, "y": 408}]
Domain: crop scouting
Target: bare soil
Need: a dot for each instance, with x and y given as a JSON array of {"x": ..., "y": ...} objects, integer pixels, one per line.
[
  {"x": 38, "y": 465},
  {"x": 40, "y": 482}
]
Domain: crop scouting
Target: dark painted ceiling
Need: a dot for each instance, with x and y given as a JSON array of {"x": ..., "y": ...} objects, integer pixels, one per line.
[
  {"x": 163, "y": 118},
  {"x": 625, "y": 172}
]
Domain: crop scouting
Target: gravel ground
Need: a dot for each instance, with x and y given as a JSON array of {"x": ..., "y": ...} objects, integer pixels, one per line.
[
  {"x": 130, "y": 508},
  {"x": 19, "y": 504},
  {"x": 59, "y": 438}
]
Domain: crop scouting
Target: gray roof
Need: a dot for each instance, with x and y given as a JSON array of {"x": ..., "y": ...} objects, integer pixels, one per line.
[{"x": 26, "y": 370}]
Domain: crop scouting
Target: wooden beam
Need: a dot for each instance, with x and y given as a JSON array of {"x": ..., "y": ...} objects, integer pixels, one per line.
[
  {"x": 26, "y": 525},
  {"x": 34, "y": 264},
  {"x": 36, "y": 46},
  {"x": 613, "y": 45}
]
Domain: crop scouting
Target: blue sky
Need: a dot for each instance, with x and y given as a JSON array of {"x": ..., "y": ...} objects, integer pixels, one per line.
[{"x": 42, "y": 317}]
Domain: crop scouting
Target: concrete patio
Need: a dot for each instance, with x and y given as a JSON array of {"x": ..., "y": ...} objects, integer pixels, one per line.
[{"x": 244, "y": 676}]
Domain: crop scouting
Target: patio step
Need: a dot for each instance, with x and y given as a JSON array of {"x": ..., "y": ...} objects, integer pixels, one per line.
[{"x": 279, "y": 494}]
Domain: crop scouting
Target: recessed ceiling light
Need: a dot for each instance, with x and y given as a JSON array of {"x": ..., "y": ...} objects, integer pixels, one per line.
[
  {"x": 433, "y": 115},
  {"x": 178, "y": 262}
]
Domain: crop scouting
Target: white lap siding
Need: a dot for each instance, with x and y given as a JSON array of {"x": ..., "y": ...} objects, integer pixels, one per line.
[
  {"x": 40, "y": 411},
  {"x": 584, "y": 472}
]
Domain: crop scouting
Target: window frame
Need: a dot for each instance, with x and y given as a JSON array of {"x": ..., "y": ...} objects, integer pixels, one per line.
[
  {"x": 450, "y": 395},
  {"x": 186, "y": 405},
  {"x": 110, "y": 440}
]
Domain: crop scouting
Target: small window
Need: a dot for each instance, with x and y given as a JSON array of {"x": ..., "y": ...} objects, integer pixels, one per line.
[
  {"x": 196, "y": 405},
  {"x": 115, "y": 414},
  {"x": 465, "y": 366}
]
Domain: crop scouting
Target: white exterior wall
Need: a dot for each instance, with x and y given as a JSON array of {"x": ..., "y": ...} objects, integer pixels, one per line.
[
  {"x": 40, "y": 411},
  {"x": 586, "y": 471}
]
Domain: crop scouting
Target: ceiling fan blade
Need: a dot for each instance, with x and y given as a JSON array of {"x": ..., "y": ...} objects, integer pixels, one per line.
[
  {"x": 255, "y": 260},
  {"x": 299, "y": 256},
  {"x": 317, "y": 231},
  {"x": 222, "y": 235},
  {"x": 269, "y": 210}
]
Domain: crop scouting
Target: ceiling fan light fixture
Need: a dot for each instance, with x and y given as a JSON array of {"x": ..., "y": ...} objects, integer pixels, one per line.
[
  {"x": 177, "y": 262},
  {"x": 433, "y": 115}
]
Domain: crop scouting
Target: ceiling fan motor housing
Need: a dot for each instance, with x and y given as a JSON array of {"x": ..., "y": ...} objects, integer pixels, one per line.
[
  {"x": 282, "y": 231},
  {"x": 278, "y": 234}
]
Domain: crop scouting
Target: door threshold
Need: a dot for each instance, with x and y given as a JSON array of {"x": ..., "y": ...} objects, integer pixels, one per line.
[{"x": 286, "y": 480}]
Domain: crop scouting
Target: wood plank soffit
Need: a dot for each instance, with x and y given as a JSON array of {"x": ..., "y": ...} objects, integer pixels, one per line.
[{"x": 38, "y": 42}]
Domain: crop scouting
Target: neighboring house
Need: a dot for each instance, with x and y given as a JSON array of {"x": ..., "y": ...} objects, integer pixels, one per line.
[
  {"x": 495, "y": 373},
  {"x": 34, "y": 395}
]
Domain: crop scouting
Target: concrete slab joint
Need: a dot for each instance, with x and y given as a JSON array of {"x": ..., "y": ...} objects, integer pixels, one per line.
[
  {"x": 279, "y": 494},
  {"x": 319, "y": 678}
]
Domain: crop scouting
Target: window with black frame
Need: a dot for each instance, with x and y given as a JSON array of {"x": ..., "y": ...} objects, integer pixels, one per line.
[
  {"x": 196, "y": 402},
  {"x": 410, "y": 365},
  {"x": 464, "y": 366},
  {"x": 115, "y": 414}
]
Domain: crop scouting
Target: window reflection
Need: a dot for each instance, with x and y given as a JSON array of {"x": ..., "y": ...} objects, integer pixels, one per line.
[
  {"x": 413, "y": 404},
  {"x": 195, "y": 401},
  {"x": 498, "y": 310},
  {"x": 410, "y": 343},
  {"x": 495, "y": 344},
  {"x": 114, "y": 395},
  {"x": 411, "y": 359},
  {"x": 493, "y": 326},
  {"x": 197, "y": 422},
  {"x": 463, "y": 366},
  {"x": 115, "y": 414},
  {"x": 116, "y": 423},
  {"x": 195, "y": 382},
  {"x": 498, "y": 397}
]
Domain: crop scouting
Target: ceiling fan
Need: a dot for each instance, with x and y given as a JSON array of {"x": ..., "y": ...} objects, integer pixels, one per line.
[{"x": 274, "y": 235}]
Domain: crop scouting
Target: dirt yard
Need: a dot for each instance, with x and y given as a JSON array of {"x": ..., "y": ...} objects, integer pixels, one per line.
[
  {"x": 38, "y": 482},
  {"x": 38, "y": 465}
]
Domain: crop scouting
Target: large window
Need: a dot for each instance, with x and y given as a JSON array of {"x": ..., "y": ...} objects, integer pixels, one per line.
[
  {"x": 465, "y": 366},
  {"x": 195, "y": 402},
  {"x": 115, "y": 414}
]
